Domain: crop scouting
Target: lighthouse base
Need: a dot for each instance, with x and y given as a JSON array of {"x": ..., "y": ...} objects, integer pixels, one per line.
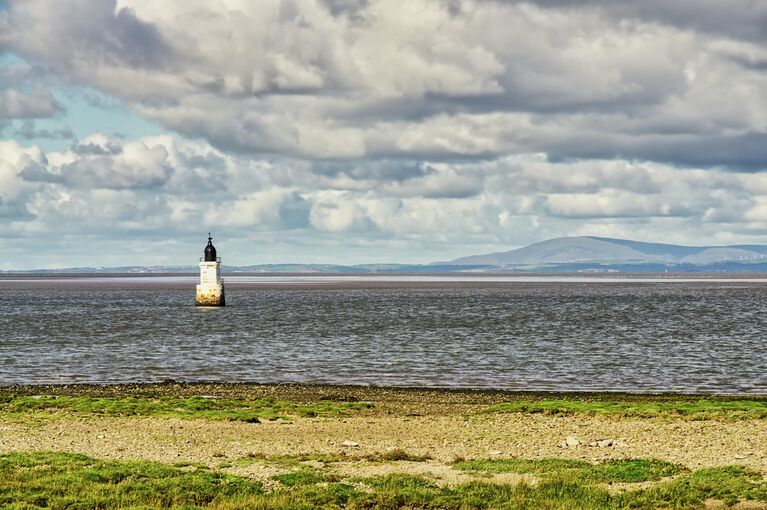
[{"x": 210, "y": 295}]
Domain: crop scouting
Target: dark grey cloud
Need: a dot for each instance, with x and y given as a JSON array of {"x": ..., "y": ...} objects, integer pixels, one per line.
[
  {"x": 25, "y": 103},
  {"x": 737, "y": 152},
  {"x": 23, "y": 93},
  {"x": 294, "y": 212},
  {"x": 430, "y": 79},
  {"x": 35, "y": 171},
  {"x": 745, "y": 19},
  {"x": 96, "y": 30},
  {"x": 96, "y": 149},
  {"x": 379, "y": 170},
  {"x": 14, "y": 210},
  {"x": 354, "y": 9},
  {"x": 100, "y": 172},
  {"x": 755, "y": 64},
  {"x": 27, "y": 131},
  {"x": 204, "y": 161}
]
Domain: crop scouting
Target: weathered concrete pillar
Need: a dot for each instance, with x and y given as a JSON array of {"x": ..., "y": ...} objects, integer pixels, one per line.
[{"x": 210, "y": 290}]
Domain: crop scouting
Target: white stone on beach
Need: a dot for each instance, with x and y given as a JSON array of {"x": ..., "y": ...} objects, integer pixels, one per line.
[
  {"x": 350, "y": 444},
  {"x": 572, "y": 441}
]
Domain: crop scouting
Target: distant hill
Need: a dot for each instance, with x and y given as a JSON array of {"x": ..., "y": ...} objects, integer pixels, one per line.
[
  {"x": 602, "y": 250},
  {"x": 560, "y": 255},
  {"x": 260, "y": 268}
]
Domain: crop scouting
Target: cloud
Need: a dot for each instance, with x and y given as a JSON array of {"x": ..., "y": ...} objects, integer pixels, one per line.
[
  {"x": 28, "y": 131},
  {"x": 426, "y": 79},
  {"x": 15, "y": 193},
  {"x": 337, "y": 213},
  {"x": 17, "y": 104},
  {"x": 440, "y": 182},
  {"x": 416, "y": 130},
  {"x": 745, "y": 20},
  {"x": 113, "y": 190},
  {"x": 100, "y": 166},
  {"x": 23, "y": 94}
]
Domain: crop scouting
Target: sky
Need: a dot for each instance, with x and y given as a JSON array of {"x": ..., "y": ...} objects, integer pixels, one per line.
[{"x": 361, "y": 131}]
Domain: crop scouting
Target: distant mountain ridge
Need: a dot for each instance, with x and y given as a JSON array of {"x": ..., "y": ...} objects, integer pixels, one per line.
[
  {"x": 604, "y": 250},
  {"x": 559, "y": 255},
  {"x": 254, "y": 269}
]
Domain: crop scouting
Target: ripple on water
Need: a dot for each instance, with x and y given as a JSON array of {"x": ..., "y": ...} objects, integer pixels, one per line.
[{"x": 616, "y": 336}]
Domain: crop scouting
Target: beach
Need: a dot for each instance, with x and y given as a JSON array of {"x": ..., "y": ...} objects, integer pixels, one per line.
[{"x": 350, "y": 433}]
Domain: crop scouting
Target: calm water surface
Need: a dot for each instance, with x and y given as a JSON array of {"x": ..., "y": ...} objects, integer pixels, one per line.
[{"x": 519, "y": 334}]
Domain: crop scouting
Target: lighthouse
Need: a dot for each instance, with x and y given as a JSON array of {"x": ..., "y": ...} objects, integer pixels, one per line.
[{"x": 210, "y": 290}]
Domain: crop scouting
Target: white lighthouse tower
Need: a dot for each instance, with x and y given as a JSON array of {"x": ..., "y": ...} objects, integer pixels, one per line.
[{"x": 210, "y": 290}]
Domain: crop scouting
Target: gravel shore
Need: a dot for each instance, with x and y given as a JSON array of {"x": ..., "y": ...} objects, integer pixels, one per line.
[{"x": 443, "y": 425}]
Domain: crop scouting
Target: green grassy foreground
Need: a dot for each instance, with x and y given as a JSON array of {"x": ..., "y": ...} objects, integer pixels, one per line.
[
  {"x": 312, "y": 479},
  {"x": 698, "y": 409},
  {"x": 71, "y": 481},
  {"x": 270, "y": 409},
  {"x": 188, "y": 407}
]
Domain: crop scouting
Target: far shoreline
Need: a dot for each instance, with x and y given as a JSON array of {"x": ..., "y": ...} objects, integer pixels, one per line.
[
  {"x": 607, "y": 275},
  {"x": 373, "y": 281}
]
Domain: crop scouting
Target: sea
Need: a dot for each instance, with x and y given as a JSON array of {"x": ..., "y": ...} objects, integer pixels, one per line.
[{"x": 523, "y": 333}]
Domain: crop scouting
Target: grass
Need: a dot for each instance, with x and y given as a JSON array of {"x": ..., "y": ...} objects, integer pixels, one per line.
[
  {"x": 611, "y": 471},
  {"x": 729, "y": 484},
  {"x": 293, "y": 461},
  {"x": 65, "y": 480},
  {"x": 287, "y": 461},
  {"x": 696, "y": 409},
  {"x": 304, "y": 476},
  {"x": 187, "y": 407},
  {"x": 395, "y": 455},
  {"x": 73, "y": 481}
]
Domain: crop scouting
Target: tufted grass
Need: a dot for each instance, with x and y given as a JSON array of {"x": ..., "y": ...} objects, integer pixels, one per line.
[
  {"x": 694, "y": 409},
  {"x": 57, "y": 480},
  {"x": 388, "y": 456},
  {"x": 611, "y": 471},
  {"x": 185, "y": 407}
]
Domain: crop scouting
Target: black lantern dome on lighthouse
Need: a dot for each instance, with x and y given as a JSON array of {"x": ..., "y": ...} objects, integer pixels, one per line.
[{"x": 210, "y": 250}]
